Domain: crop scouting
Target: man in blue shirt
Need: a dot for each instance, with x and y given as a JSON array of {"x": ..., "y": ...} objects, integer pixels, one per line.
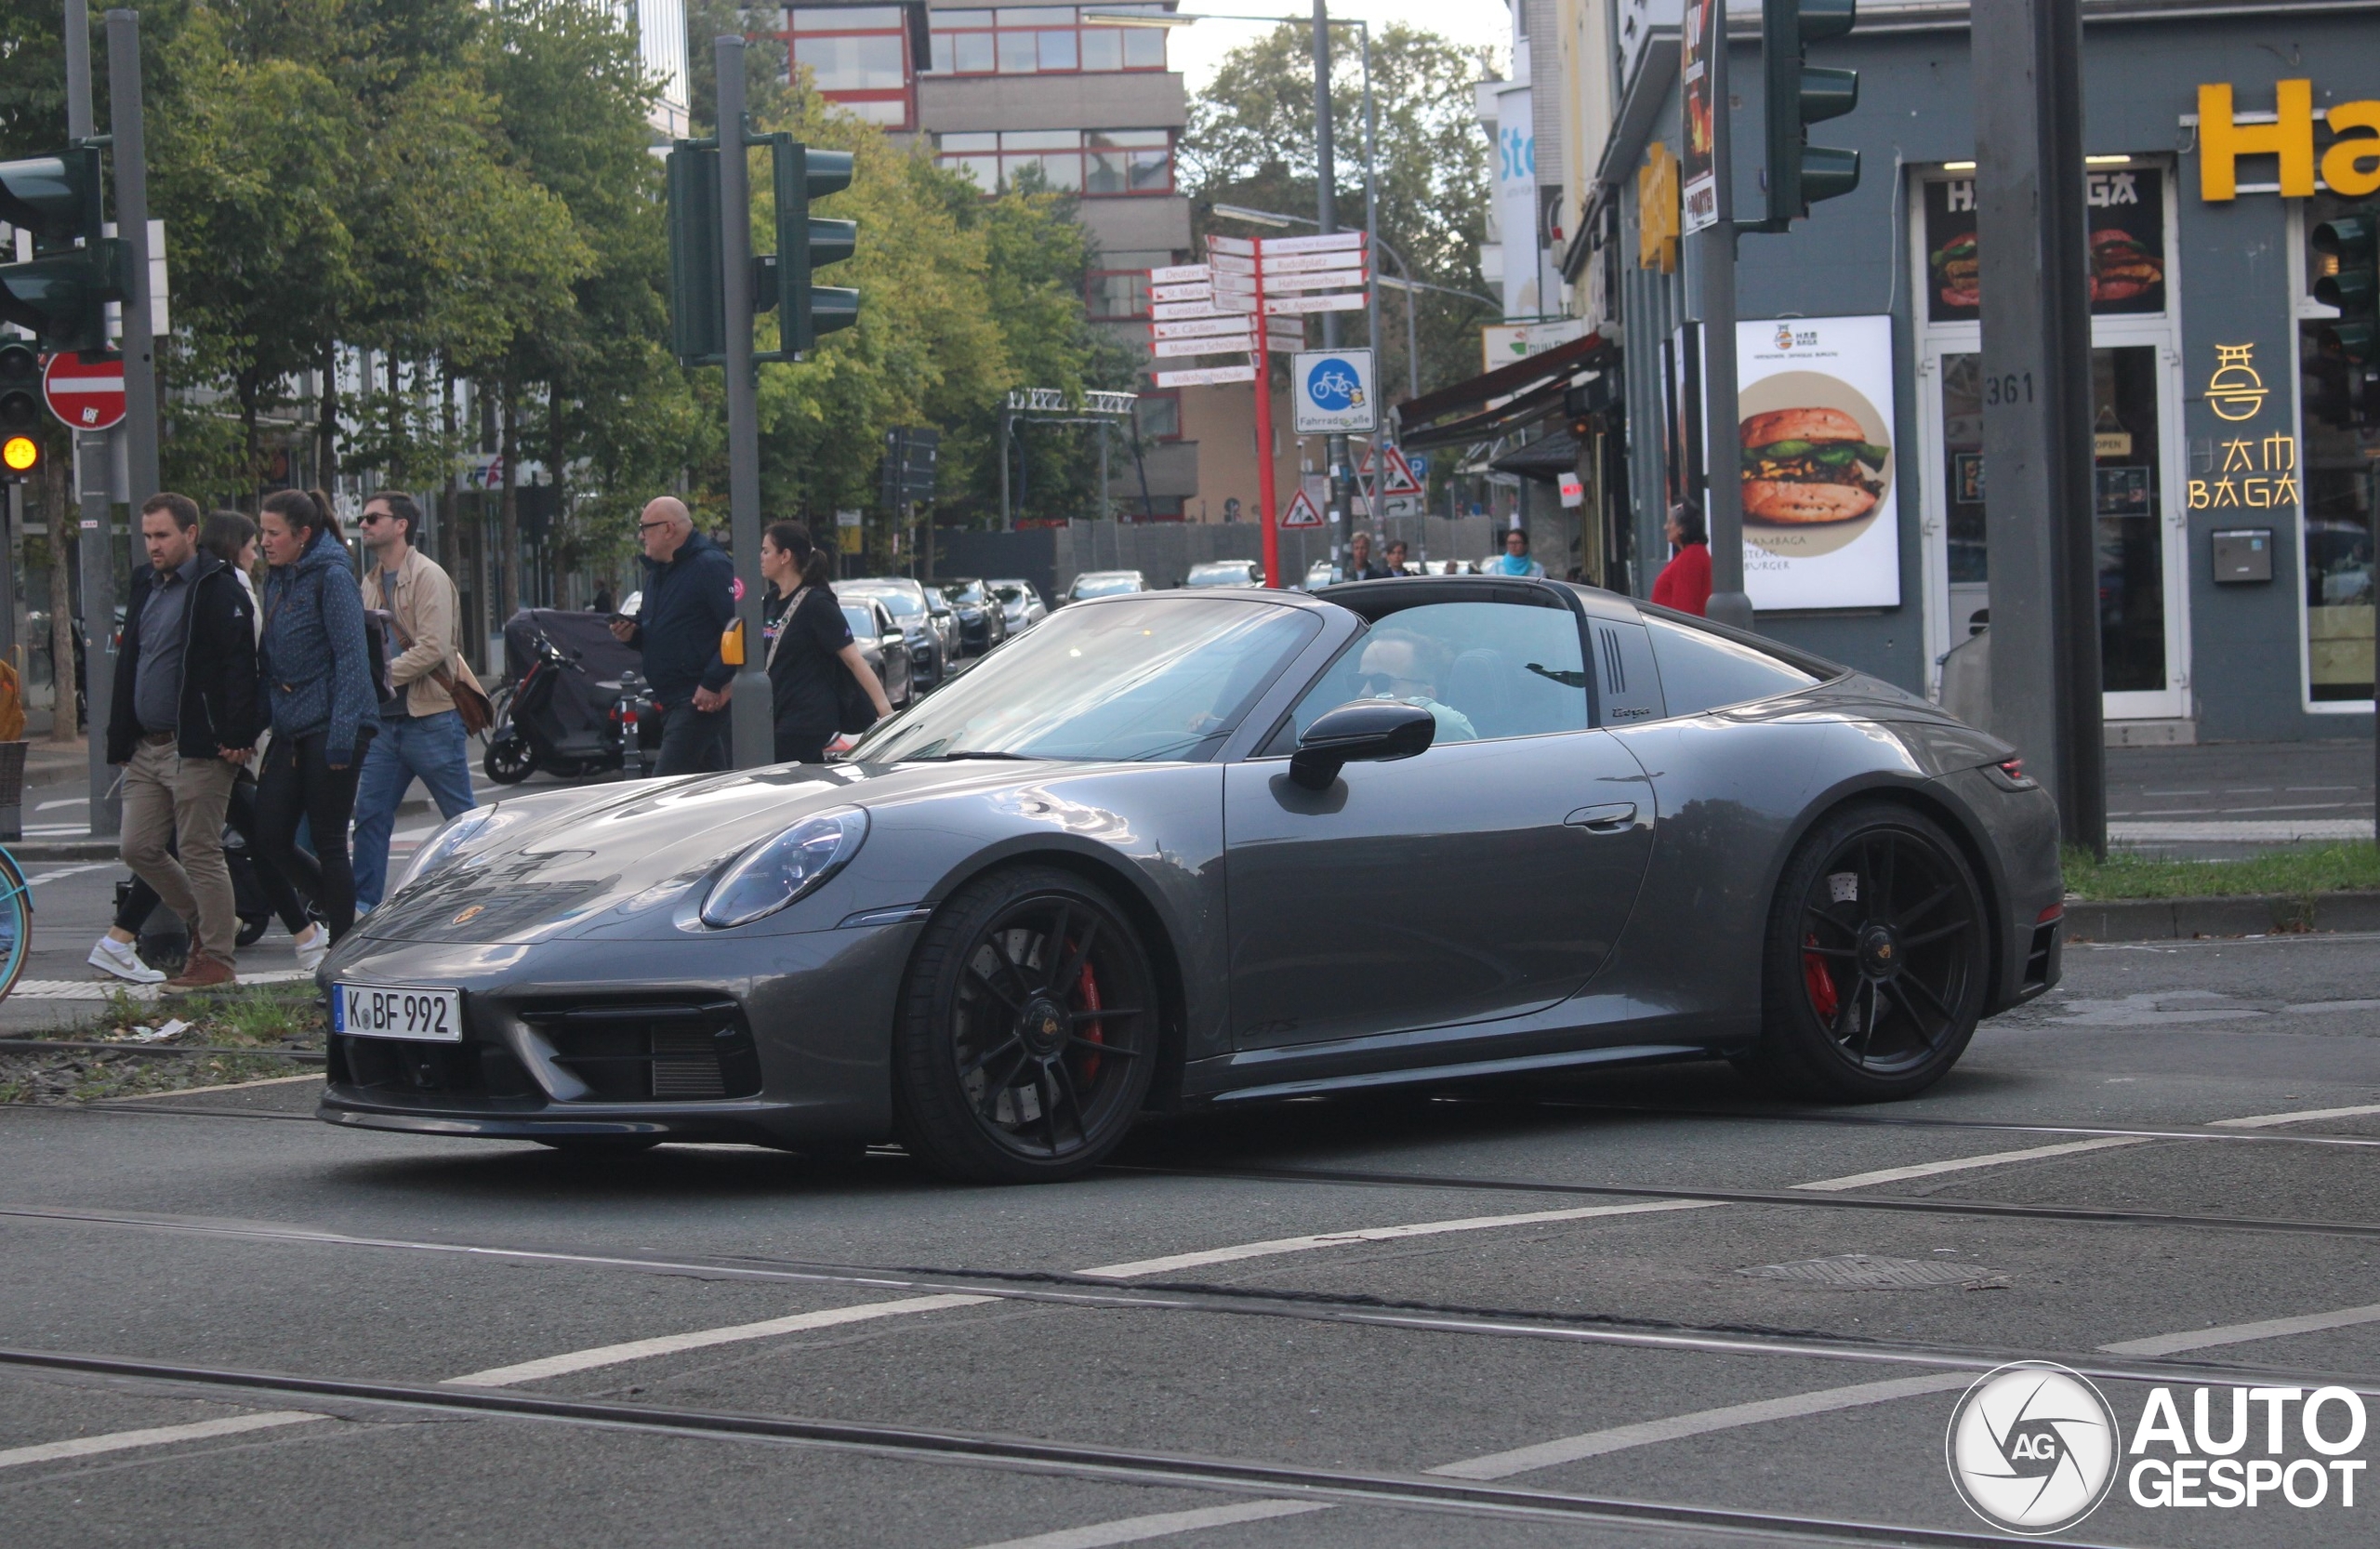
[
  {"x": 1514, "y": 559},
  {"x": 689, "y": 599}
]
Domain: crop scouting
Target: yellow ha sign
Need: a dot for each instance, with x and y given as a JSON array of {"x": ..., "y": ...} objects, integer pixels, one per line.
[{"x": 2350, "y": 166}]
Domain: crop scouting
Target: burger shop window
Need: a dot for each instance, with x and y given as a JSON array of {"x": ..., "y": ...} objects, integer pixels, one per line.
[
  {"x": 2127, "y": 223},
  {"x": 858, "y": 59},
  {"x": 2338, "y": 476}
]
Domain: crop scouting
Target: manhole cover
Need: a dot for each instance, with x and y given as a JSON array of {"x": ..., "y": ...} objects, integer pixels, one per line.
[{"x": 1865, "y": 1272}]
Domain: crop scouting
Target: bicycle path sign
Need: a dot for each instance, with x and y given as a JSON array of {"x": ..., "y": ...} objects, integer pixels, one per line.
[{"x": 1334, "y": 394}]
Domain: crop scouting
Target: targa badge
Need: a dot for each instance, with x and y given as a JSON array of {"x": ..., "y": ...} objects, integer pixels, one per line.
[{"x": 2032, "y": 1447}]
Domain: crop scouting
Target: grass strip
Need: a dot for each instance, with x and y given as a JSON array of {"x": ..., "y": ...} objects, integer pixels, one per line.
[
  {"x": 2302, "y": 871},
  {"x": 263, "y": 1017}
]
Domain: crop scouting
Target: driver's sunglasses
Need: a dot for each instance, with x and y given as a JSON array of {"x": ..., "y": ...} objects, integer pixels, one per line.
[{"x": 375, "y": 517}]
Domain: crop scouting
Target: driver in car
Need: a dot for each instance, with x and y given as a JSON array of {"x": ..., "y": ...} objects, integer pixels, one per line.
[{"x": 1398, "y": 664}]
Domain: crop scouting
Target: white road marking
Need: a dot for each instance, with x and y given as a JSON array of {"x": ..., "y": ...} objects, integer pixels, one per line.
[
  {"x": 68, "y": 871},
  {"x": 1379, "y": 1234},
  {"x": 1962, "y": 1164},
  {"x": 1139, "y": 1530},
  {"x": 1595, "y": 1444},
  {"x": 2270, "y": 1120},
  {"x": 159, "y": 1436},
  {"x": 637, "y": 1350},
  {"x": 2240, "y": 1333},
  {"x": 62, "y": 801}
]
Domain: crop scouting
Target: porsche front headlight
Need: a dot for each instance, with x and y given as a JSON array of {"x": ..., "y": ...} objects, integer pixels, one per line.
[
  {"x": 775, "y": 872},
  {"x": 469, "y": 832}
]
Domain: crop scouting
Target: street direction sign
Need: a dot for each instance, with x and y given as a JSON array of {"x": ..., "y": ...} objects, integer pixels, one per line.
[
  {"x": 1198, "y": 292},
  {"x": 1303, "y": 511},
  {"x": 1232, "y": 344},
  {"x": 1301, "y": 263},
  {"x": 1334, "y": 280},
  {"x": 1179, "y": 274},
  {"x": 1238, "y": 246},
  {"x": 1201, "y": 327},
  {"x": 1328, "y": 242},
  {"x": 1351, "y": 302},
  {"x": 1231, "y": 263},
  {"x": 1333, "y": 392},
  {"x": 85, "y": 395},
  {"x": 1205, "y": 376}
]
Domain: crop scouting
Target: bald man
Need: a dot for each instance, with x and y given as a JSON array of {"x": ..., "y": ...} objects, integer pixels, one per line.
[{"x": 688, "y": 600}]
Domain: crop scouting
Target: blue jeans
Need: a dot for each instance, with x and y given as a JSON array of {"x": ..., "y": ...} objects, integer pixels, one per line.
[{"x": 431, "y": 748}]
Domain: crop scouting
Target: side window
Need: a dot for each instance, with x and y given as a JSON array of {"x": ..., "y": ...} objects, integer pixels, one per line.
[
  {"x": 1631, "y": 686},
  {"x": 1704, "y": 671},
  {"x": 1485, "y": 670}
]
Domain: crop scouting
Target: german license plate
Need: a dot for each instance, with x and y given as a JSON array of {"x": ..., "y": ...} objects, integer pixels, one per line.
[{"x": 398, "y": 1011}]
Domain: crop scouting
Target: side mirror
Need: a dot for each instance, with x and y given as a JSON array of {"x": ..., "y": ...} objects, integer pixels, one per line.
[{"x": 1369, "y": 731}]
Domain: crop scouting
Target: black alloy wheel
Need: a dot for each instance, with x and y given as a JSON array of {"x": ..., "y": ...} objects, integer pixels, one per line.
[
  {"x": 508, "y": 761},
  {"x": 1876, "y": 958},
  {"x": 1027, "y": 1033}
]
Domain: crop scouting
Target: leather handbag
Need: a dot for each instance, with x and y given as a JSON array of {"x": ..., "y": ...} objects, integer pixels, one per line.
[{"x": 472, "y": 703}]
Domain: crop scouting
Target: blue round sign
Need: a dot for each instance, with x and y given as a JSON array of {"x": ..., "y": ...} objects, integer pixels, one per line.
[{"x": 1333, "y": 385}]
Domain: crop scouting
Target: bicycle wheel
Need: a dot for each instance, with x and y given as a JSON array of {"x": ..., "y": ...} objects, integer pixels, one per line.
[{"x": 16, "y": 923}]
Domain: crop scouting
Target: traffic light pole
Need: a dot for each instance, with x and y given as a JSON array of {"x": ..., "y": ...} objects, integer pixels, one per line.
[
  {"x": 1715, "y": 253},
  {"x": 754, "y": 725},
  {"x": 96, "y": 544},
  {"x": 2039, "y": 518},
  {"x": 132, "y": 225}
]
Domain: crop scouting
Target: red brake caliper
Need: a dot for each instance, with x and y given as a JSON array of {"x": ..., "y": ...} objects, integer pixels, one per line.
[
  {"x": 1821, "y": 980},
  {"x": 1089, "y": 986}
]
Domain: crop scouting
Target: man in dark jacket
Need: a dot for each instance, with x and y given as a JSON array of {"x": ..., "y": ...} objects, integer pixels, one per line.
[
  {"x": 183, "y": 718},
  {"x": 688, "y": 600}
]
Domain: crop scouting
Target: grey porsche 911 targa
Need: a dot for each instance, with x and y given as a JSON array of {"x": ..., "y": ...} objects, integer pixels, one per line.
[{"x": 1191, "y": 848}]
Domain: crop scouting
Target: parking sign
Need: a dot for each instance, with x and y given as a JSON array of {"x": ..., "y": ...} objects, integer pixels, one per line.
[{"x": 1334, "y": 392}]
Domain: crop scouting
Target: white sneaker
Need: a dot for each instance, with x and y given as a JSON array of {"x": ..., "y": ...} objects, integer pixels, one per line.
[
  {"x": 118, "y": 957},
  {"x": 313, "y": 947}
]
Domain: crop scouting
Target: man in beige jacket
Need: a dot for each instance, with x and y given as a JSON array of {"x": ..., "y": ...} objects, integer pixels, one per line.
[{"x": 421, "y": 737}]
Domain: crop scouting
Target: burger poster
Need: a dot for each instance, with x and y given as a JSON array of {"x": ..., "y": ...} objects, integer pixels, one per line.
[
  {"x": 2127, "y": 221},
  {"x": 1815, "y": 446}
]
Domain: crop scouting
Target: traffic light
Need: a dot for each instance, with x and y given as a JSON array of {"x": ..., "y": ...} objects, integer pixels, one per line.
[
  {"x": 806, "y": 244},
  {"x": 61, "y": 294},
  {"x": 1800, "y": 174},
  {"x": 19, "y": 411},
  {"x": 698, "y": 312}
]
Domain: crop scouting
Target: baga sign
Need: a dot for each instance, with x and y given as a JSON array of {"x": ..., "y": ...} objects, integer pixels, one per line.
[{"x": 2349, "y": 165}]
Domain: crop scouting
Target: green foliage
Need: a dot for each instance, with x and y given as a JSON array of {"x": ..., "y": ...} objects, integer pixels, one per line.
[
  {"x": 1252, "y": 141},
  {"x": 2290, "y": 873}
]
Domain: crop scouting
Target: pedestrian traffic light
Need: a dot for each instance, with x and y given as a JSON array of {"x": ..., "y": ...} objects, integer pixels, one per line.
[
  {"x": 806, "y": 244},
  {"x": 1797, "y": 96},
  {"x": 2350, "y": 243},
  {"x": 19, "y": 411},
  {"x": 60, "y": 292}
]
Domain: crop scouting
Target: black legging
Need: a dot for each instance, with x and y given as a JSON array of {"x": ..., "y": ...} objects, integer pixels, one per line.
[
  {"x": 140, "y": 900},
  {"x": 298, "y": 782}
]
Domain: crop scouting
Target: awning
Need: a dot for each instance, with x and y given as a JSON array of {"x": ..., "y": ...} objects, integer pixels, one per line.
[
  {"x": 1548, "y": 457},
  {"x": 1504, "y": 399}
]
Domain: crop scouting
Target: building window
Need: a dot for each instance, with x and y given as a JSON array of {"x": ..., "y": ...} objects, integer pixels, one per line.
[
  {"x": 1094, "y": 162},
  {"x": 1157, "y": 414},
  {"x": 2337, "y": 478},
  {"x": 1041, "y": 40},
  {"x": 1118, "y": 295},
  {"x": 858, "y": 57}
]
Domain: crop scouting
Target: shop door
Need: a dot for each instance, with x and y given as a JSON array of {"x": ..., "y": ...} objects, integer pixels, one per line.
[{"x": 2135, "y": 413}]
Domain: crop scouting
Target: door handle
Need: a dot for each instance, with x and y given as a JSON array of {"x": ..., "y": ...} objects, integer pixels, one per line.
[{"x": 1608, "y": 818}]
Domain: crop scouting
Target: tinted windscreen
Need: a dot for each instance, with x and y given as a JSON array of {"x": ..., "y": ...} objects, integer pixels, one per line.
[
  {"x": 861, "y": 621},
  {"x": 900, "y": 604},
  {"x": 1157, "y": 680},
  {"x": 1105, "y": 586},
  {"x": 1703, "y": 671}
]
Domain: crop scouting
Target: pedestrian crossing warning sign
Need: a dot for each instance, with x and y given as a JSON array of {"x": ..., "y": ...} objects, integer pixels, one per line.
[{"x": 1303, "y": 511}]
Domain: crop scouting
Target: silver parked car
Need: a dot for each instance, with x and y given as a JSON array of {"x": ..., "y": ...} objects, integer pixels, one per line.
[
  {"x": 1225, "y": 572},
  {"x": 932, "y": 638},
  {"x": 1021, "y": 602},
  {"x": 1104, "y": 583},
  {"x": 880, "y": 640}
]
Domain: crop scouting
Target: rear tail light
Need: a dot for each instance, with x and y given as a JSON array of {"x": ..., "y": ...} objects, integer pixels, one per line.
[{"x": 2055, "y": 911}]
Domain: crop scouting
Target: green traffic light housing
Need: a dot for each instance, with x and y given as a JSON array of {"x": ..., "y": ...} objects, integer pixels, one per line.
[
  {"x": 806, "y": 244},
  {"x": 2352, "y": 241},
  {"x": 60, "y": 295},
  {"x": 1798, "y": 95},
  {"x": 781, "y": 280}
]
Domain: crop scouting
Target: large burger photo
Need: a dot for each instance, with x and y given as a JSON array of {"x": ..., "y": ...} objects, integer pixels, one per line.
[{"x": 1808, "y": 466}]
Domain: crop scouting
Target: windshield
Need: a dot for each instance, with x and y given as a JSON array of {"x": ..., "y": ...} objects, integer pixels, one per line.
[
  {"x": 1009, "y": 591},
  {"x": 861, "y": 621},
  {"x": 1105, "y": 586},
  {"x": 1162, "y": 679},
  {"x": 1231, "y": 574},
  {"x": 964, "y": 592},
  {"x": 900, "y": 604}
]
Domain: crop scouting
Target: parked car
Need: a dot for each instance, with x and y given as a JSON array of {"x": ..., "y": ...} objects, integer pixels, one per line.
[
  {"x": 1225, "y": 572},
  {"x": 1021, "y": 602},
  {"x": 930, "y": 653},
  {"x": 1104, "y": 583},
  {"x": 1320, "y": 574},
  {"x": 1147, "y": 822},
  {"x": 882, "y": 642},
  {"x": 982, "y": 622}
]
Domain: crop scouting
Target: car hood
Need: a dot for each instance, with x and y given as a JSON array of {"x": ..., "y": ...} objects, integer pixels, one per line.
[{"x": 571, "y": 862}]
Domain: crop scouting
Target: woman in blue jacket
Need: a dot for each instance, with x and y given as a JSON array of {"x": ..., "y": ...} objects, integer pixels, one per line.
[{"x": 319, "y": 688}]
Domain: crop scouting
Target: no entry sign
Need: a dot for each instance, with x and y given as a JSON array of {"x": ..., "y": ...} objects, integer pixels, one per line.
[{"x": 85, "y": 395}]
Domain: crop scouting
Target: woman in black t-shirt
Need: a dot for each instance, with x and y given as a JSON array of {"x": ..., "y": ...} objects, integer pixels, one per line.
[{"x": 808, "y": 646}]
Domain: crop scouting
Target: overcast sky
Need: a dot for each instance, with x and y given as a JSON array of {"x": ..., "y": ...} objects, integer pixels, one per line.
[{"x": 1197, "y": 51}]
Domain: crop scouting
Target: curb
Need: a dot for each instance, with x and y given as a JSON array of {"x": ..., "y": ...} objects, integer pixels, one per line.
[{"x": 2181, "y": 919}]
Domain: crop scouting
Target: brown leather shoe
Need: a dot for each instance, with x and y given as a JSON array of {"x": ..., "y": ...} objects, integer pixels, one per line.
[{"x": 202, "y": 973}]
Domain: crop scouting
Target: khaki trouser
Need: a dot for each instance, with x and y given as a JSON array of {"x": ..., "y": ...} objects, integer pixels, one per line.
[{"x": 168, "y": 799}]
